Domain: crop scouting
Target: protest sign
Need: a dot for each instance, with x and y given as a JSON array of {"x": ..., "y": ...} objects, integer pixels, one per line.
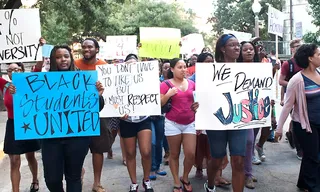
[
  {"x": 132, "y": 89},
  {"x": 118, "y": 47},
  {"x": 233, "y": 96},
  {"x": 102, "y": 50},
  {"x": 275, "y": 21},
  {"x": 299, "y": 31},
  {"x": 55, "y": 105},
  {"x": 159, "y": 42},
  {"x": 192, "y": 44},
  {"x": 241, "y": 36},
  {"x": 19, "y": 35},
  {"x": 46, "y": 50}
]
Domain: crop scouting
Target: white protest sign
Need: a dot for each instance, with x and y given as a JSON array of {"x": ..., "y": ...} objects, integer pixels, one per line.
[
  {"x": 20, "y": 32},
  {"x": 241, "y": 36},
  {"x": 192, "y": 44},
  {"x": 132, "y": 89},
  {"x": 118, "y": 47},
  {"x": 275, "y": 21},
  {"x": 233, "y": 96},
  {"x": 102, "y": 50}
]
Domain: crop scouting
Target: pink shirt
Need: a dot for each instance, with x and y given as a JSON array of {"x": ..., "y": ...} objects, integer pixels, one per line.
[
  {"x": 180, "y": 112},
  {"x": 296, "y": 98}
]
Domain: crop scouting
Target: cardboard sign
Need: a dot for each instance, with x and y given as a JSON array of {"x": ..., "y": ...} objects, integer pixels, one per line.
[
  {"x": 55, "y": 105},
  {"x": 192, "y": 44},
  {"x": 233, "y": 96},
  {"x": 275, "y": 21},
  {"x": 159, "y": 42},
  {"x": 132, "y": 89},
  {"x": 46, "y": 50},
  {"x": 19, "y": 35},
  {"x": 118, "y": 47},
  {"x": 241, "y": 36}
]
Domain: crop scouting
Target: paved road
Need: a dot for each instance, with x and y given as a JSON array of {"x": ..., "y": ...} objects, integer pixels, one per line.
[{"x": 278, "y": 174}]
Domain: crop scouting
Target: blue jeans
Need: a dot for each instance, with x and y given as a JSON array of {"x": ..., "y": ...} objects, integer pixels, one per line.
[
  {"x": 157, "y": 126},
  {"x": 64, "y": 156}
]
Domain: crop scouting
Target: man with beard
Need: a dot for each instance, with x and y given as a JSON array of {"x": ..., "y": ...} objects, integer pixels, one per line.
[{"x": 102, "y": 143}]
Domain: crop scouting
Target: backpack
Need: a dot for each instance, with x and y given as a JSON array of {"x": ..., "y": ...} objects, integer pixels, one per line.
[
  {"x": 291, "y": 69},
  {"x": 273, "y": 61}
]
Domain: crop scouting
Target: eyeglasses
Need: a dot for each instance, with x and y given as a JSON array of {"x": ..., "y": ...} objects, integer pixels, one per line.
[
  {"x": 296, "y": 46},
  {"x": 233, "y": 45},
  {"x": 16, "y": 70}
]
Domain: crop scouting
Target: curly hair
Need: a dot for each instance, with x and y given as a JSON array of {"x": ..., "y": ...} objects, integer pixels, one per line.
[{"x": 53, "y": 62}]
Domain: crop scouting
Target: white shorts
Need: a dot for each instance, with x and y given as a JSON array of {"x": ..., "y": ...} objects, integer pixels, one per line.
[{"x": 172, "y": 128}]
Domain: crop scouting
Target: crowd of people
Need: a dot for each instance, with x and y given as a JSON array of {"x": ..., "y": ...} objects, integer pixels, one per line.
[{"x": 175, "y": 128}]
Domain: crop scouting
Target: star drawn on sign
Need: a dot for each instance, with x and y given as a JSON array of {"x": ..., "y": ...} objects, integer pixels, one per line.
[{"x": 26, "y": 127}]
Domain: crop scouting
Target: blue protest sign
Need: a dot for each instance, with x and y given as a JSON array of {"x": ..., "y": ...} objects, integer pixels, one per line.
[
  {"x": 46, "y": 50},
  {"x": 55, "y": 105}
]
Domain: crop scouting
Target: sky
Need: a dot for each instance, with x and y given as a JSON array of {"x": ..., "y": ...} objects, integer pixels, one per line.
[{"x": 203, "y": 8}]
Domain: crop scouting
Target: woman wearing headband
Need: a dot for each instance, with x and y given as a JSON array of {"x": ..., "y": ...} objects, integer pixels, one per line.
[{"x": 228, "y": 51}]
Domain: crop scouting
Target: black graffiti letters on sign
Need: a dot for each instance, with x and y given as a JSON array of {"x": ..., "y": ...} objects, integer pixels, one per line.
[
  {"x": 242, "y": 83},
  {"x": 221, "y": 74}
]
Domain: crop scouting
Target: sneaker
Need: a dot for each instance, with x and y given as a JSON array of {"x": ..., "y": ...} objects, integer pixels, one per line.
[
  {"x": 254, "y": 179},
  {"x": 147, "y": 186},
  {"x": 134, "y": 187},
  {"x": 161, "y": 172},
  {"x": 249, "y": 183},
  {"x": 299, "y": 155},
  {"x": 207, "y": 189},
  {"x": 261, "y": 154},
  {"x": 255, "y": 160},
  {"x": 290, "y": 139},
  {"x": 153, "y": 176}
]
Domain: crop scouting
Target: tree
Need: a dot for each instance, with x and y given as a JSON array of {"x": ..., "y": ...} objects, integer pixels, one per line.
[
  {"x": 312, "y": 38},
  {"x": 315, "y": 12},
  {"x": 238, "y": 16},
  {"x": 68, "y": 21}
]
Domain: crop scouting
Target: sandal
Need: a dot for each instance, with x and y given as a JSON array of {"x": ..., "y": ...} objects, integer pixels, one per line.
[
  {"x": 221, "y": 182},
  {"x": 34, "y": 186},
  {"x": 177, "y": 188},
  {"x": 185, "y": 184},
  {"x": 98, "y": 189},
  {"x": 110, "y": 154}
]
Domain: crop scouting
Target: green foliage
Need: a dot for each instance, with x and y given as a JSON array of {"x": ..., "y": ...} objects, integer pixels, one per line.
[
  {"x": 312, "y": 38},
  {"x": 315, "y": 7},
  {"x": 66, "y": 21},
  {"x": 238, "y": 16}
]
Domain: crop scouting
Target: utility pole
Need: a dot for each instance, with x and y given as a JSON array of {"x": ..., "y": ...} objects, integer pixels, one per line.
[{"x": 291, "y": 19}]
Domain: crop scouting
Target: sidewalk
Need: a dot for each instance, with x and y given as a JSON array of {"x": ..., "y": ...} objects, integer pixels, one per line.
[{"x": 3, "y": 119}]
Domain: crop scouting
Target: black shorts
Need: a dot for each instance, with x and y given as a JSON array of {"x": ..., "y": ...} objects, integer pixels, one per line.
[
  {"x": 17, "y": 147},
  {"x": 128, "y": 130}
]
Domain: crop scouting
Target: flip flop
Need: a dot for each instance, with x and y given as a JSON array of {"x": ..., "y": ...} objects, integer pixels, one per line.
[
  {"x": 185, "y": 184},
  {"x": 177, "y": 188}
]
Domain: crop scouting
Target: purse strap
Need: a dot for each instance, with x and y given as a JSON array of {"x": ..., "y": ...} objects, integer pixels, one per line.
[{"x": 168, "y": 84}]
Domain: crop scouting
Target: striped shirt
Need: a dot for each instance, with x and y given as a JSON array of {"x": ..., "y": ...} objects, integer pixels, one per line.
[{"x": 312, "y": 91}]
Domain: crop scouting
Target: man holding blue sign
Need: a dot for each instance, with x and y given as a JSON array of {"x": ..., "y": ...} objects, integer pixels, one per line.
[{"x": 62, "y": 108}]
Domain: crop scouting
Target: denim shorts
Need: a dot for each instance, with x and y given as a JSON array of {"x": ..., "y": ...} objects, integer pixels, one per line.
[{"x": 218, "y": 140}]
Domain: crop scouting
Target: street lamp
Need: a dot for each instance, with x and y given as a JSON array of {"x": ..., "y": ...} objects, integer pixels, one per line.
[
  {"x": 256, "y": 8},
  {"x": 28, "y": 3}
]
